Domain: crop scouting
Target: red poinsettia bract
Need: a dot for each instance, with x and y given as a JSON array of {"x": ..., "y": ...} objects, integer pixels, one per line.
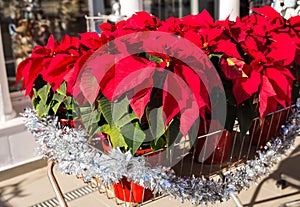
[{"x": 258, "y": 54}]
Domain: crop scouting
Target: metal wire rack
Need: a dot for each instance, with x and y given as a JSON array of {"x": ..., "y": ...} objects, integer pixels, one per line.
[{"x": 230, "y": 151}]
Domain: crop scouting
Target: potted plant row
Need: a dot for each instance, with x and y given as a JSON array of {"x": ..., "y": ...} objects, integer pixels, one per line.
[{"x": 79, "y": 79}]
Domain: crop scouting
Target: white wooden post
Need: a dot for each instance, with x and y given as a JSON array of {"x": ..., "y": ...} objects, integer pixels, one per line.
[
  {"x": 229, "y": 8},
  {"x": 129, "y": 7},
  {"x": 6, "y": 110},
  {"x": 195, "y": 6},
  {"x": 180, "y": 2}
]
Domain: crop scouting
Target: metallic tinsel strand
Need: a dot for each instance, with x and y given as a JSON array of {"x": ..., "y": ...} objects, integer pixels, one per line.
[{"x": 69, "y": 148}]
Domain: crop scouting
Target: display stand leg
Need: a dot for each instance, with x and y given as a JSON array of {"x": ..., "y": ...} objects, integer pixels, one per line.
[
  {"x": 55, "y": 186},
  {"x": 236, "y": 199},
  {"x": 285, "y": 180}
]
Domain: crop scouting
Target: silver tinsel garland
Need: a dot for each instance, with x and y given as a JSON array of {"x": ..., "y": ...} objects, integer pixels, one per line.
[{"x": 69, "y": 148}]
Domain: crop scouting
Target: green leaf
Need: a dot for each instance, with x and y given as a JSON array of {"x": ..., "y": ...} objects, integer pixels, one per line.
[
  {"x": 69, "y": 103},
  {"x": 157, "y": 144},
  {"x": 215, "y": 55},
  {"x": 116, "y": 113},
  {"x": 119, "y": 109},
  {"x": 90, "y": 118},
  {"x": 153, "y": 58},
  {"x": 231, "y": 106},
  {"x": 41, "y": 102},
  {"x": 57, "y": 97},
  {"x": 35, "y": 93},
  {"x": 116, "y": 137},
  {"x": 156, "y": 123},
  {"x": 94, "y": 128},
  {"x": 113, "y": 114},
  {"x": 44, "y": 92},
  {"x": 134, "y": 136},
  {"x": 120, "y": 112},
  {"x": 105, "y": 128},
  {"x": 35, "y": 102},
  {"x": 55, "y": 107},
  {"x": 245, "y": 113},
  {"x": 62, "y": 89},
  {"x": 74, "y": 106},
  {"x": 173, "y": 132},
  {"x": 104, "y": 106},
  {"x": 230, "y": 117},
  {"x": 124, "y": 132},
  {"x": 89, "y": 115},
  {"x": 127, "y": 118},
  {"x": 219, "y": 98},
  {"x": 42, "y": 109},
  {"x": 89, "y": 85}
]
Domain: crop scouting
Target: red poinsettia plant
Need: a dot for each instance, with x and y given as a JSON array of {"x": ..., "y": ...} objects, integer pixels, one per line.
[
  {"x": 268, "y": 63},
  {"x": 257, "y": 58}
]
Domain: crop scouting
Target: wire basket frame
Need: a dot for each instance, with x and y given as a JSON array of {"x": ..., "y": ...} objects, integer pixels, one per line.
[{"x": 237, "y": 151}]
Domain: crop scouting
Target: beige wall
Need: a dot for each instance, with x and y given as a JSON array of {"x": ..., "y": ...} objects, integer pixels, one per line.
[{"x": 17, "y": 146}]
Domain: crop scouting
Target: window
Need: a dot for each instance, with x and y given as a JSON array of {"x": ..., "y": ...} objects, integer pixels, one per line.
[{"x": 28, "y": 23}]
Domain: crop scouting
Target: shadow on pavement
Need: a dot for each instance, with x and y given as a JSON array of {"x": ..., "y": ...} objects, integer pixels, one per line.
[
  {"x": 9, "y": 192},
  {"x": 289, "y": 166}
]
